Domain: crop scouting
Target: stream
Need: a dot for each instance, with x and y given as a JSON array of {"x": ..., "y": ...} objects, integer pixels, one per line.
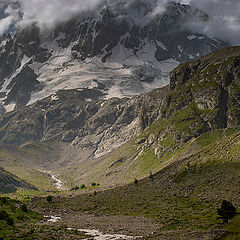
[
  {"x": 58, "y": 182},
  {"x": 96, "y": 234}
]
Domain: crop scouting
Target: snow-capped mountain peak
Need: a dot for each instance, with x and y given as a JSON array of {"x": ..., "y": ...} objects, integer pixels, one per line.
[{"x": 121, "y": 48}]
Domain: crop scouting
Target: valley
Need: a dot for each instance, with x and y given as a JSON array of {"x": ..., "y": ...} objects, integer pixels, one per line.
[
  {"x": 121, "y": 121},
  {"x": 169, "y": 177}
]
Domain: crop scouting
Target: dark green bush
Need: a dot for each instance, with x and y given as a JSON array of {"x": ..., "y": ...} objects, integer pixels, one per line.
[
  {"x": 135, "y": 181},
  {"x": 49, "y": 198},
  {"x": 10, "y": 221},
  {"x": 4, "y": 200},
  {"x": 226, "y": 211},
  {"x": 151, "y": 176},
  {"x": 24, "y": 208},
  {"x": 83, "y": 186},
  {"x": 3, "y": 215},
  {"x": 93, "y": 184}
]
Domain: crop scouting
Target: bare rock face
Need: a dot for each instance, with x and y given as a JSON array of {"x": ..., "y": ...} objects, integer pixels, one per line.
[
  {"x": 128, "y": 51},
  {"x": 9, "y": 182},
  {"x": 208, "y": 90},
  {"x": 80, "y": 118},
  {"x": 203, "y": 95}
]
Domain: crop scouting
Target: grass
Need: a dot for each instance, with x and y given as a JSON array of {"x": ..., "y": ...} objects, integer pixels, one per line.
[
  {"x": 234, "y": 229},
  {"x": 185, "y": 193},
  {"x": 24, "y": 224},
  {"x": 13, "y": 211}
]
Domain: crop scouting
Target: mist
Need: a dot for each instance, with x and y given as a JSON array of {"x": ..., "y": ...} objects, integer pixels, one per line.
[
  {"x": 223, "y": 22},
  {"x": 48, "y": 13},
  {"x": 10, "y": 14}
]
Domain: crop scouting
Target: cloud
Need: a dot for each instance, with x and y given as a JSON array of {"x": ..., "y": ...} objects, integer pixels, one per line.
[
  {"x": 48, "y": 12},
  {"x": 9, "y": 15},
  {"x": 5, "y": 23},
  {"x": 223, "y": 22}
]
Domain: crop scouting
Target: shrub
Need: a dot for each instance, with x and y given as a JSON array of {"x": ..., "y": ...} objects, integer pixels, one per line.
[
  {"x": 4, "y": 200},
  {"x": 226, "y": 211},
  {"x": 76, "y": 188},
  {"x": 93, "y": 184},
  {"x": 10, "y": 221},
  {"x": 151, "y": 176},
  {"x": 83, "y": 186},
  {"x": 24, "y": 208},
  {"x": 49, "y": 198},
  {"x": 135, "y": 181},
  {"x": 3, "y": 215}
]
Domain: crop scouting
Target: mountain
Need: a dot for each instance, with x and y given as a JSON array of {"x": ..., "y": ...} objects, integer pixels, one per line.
[
  {"x": 185, "y": 162},
  {"x": 180, "y": 143},
  {"x": 120, "y": 51},
  {"x": 102, "y": 137}
]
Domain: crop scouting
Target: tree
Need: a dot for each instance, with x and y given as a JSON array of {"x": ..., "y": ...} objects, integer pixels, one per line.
[
  {"x": 226, "y": 211},
  {"x": 49, "y": 198},
  {"x": 83, "y": 186}
]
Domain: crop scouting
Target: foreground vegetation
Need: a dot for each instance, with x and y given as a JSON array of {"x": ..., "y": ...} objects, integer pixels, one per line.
[{"x": 183, "y": 196}]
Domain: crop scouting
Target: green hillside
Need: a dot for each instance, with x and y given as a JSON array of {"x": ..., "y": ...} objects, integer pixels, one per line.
[{"x": 182, "y": 198}]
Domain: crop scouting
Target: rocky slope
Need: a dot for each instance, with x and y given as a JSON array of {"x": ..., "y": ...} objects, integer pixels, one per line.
[
  {"x": 127, "y": 49},
  {"x": 80, "y": 118},
  {"x": 203, "y": 96},
  {"x": 9, "y": 182}
]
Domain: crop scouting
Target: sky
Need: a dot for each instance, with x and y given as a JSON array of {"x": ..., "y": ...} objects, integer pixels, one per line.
[{"x": 224, "y": 21}]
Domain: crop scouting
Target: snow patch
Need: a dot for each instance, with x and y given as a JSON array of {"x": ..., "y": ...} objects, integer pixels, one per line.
[
  {"x": 54, "y": 98},
  {"x": 10, "y": 107},
  {"x": 191, "y": 37},
  {"x": 24, "y": 62},
  {"x": 62, "y": 71},
  {"x": 180, "y": 49}
]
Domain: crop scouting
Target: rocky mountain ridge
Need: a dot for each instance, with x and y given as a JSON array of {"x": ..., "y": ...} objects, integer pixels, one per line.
[
  {"x": 124, "y": 50},
  {"x": 203, "y": 96}
]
